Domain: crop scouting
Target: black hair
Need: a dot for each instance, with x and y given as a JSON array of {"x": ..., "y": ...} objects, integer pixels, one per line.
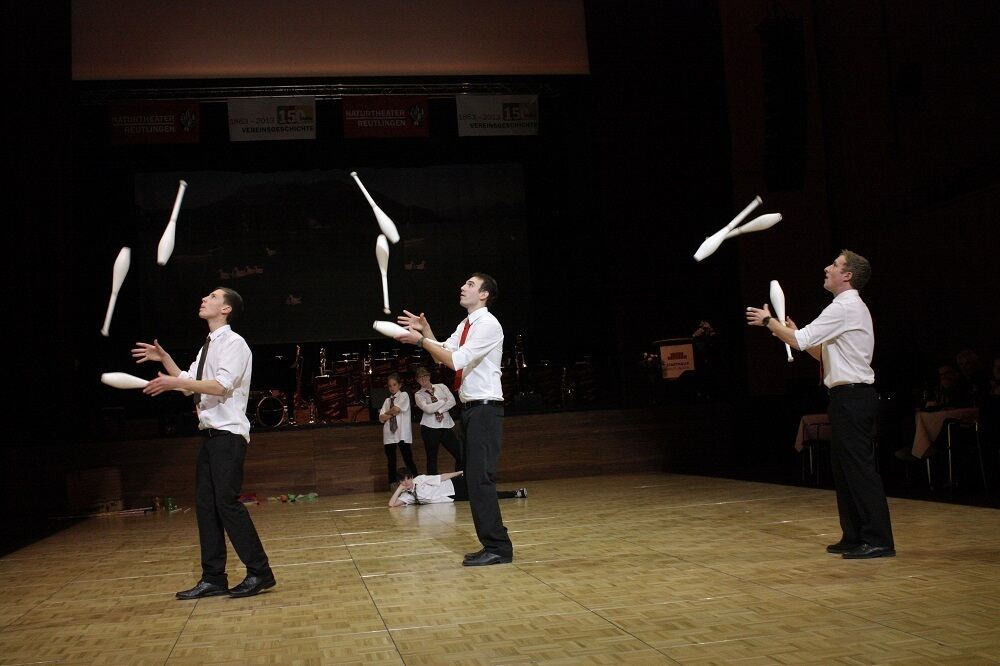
[
  {"x": 234, "y": 301},
  {"x": 489, "y": 285}
]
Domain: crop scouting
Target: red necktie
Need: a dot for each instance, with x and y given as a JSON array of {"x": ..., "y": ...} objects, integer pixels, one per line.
[{"x": 457, "y": 384}]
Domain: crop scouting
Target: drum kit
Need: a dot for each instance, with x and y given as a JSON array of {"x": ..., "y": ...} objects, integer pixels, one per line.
[
  {"x": 267, "y": 409},
  {"x": 340, "y": 391}
]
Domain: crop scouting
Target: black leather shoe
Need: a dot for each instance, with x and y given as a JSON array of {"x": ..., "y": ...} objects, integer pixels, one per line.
[
  {"x": 487, "y": 559},
  {"x": 472, "y": 556},
  {"x": 866, "y": 552},
  {"x": 202, "y": 589},
  {"x": 841, "y": 547},
  {"x": 252, "y": 585}
]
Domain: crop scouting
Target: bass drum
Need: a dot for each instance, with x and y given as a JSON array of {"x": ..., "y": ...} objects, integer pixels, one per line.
[{"x": 271, "y": 411}]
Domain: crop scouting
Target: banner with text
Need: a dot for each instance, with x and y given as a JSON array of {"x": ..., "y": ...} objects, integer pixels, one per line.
[
  {"x": 676, "y": 357},
  {"x": 385, "y": 116},
  {"x": 272, "y": 118},
  {"x": 497, "y": 115},
  {"x": 154, "y": 121}
]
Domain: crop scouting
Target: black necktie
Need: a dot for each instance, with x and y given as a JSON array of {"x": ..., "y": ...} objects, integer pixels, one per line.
[
  {"x": 393, "y": 423},
  {"x": 201, "y": 366}
]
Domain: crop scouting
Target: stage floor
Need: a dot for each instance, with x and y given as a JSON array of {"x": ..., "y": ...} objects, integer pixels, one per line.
[{"x": 641, "y": 569}]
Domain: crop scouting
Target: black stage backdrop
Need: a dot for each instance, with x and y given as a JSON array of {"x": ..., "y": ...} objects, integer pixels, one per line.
[{"x": 300, "y": 248}]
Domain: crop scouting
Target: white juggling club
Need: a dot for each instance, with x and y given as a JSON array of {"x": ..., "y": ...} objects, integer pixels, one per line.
[
  {"x": 393, "y": 330},
  {"x": 713, "y": 242},
  {"x": 166, "y": 246},
  {"x": 382, "y": 256},
  {"x": 123, "y": 380},
  {"x": 756, "y": 224},
  {"x": 384, "y": 222},
  {"x": 778, "y": 303},
  {"x": 122, "y": 263}
]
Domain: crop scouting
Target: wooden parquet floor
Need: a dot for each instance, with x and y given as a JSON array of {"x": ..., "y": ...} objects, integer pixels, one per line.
[{"x": 633, "y": 569}]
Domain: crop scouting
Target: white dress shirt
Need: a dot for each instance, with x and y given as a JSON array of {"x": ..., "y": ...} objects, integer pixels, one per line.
[
  {"x": 230, "y": 363},
  {"x": 479, "y": 358},
  {"x": 445, "y": 401},
  {"x": 428, "y": 489},
  {"x": 847, "y": 334},
  {"x": 404, "y": 429}
]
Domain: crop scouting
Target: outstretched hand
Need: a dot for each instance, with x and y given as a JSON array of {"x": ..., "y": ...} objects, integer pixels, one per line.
[
  {"x": 413, "y": 322},
  {"x": 162, "y": 384},
  {"x": 755, "y": 316},
  {"x": 143, "y": 352},
  {"x": 416, "y": 327}
]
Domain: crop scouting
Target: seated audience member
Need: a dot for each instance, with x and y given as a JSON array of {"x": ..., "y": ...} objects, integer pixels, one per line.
[
  {"x": 955, "y": 389},
  {"x": 949, "y": 393},
  {"x": 436, "y": 488},
  {"x": 989, "y": 411},
  {"x": 975, "y": 377}
]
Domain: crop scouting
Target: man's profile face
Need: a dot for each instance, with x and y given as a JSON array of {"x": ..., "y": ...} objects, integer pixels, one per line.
[
  {"x": 470, "y": 294},
  {"x": 835, "y": 274},
  {"x": 214, "y": 305}
]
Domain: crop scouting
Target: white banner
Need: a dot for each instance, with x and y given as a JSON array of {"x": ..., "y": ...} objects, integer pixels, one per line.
[
  {"x": 676, "y": 357},
  {"x": 272, "y": 119},
  {"x": 497, "y": 115}
]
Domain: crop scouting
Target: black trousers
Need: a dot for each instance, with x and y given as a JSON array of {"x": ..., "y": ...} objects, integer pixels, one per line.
[
  {"x": 435, "y": 437},
  {"x": 483, "y": 434},
  {"x": 861, "y": 503},
  {"x": 218, "y": 480},
  {"x": 390, "y": 456},
  {"x": 462, "y": 491}
]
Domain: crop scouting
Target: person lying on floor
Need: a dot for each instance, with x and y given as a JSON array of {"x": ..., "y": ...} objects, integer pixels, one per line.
[{"x": 436, "y": 488}]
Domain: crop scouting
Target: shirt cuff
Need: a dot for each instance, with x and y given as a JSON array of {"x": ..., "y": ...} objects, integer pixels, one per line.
[
  {"x": 801, "y": 339},
  {"x": 460, "y": 359},
  {"x": 225, "y": 382}
]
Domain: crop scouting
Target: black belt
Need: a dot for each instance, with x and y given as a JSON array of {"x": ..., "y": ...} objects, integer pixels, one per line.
[
  {"x": 212, "y": 432},
  {"x": 846, "y": 387},
  {"x": 470, "y": 403}
]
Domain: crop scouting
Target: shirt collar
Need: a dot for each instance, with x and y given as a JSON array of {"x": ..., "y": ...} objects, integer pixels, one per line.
[
  {"x": 848, "y": 295},
  {"x": 217, "y": 333},
  {"x": 476, "y": 314}
]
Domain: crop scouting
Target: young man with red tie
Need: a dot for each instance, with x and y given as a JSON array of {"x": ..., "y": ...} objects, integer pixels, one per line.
[{"x": 475, "y": 352}]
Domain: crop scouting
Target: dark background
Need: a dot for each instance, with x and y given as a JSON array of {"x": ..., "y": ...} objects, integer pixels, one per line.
[
  {"x": 299, "y": 248},
  {"x": 891, "y": 149}
]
